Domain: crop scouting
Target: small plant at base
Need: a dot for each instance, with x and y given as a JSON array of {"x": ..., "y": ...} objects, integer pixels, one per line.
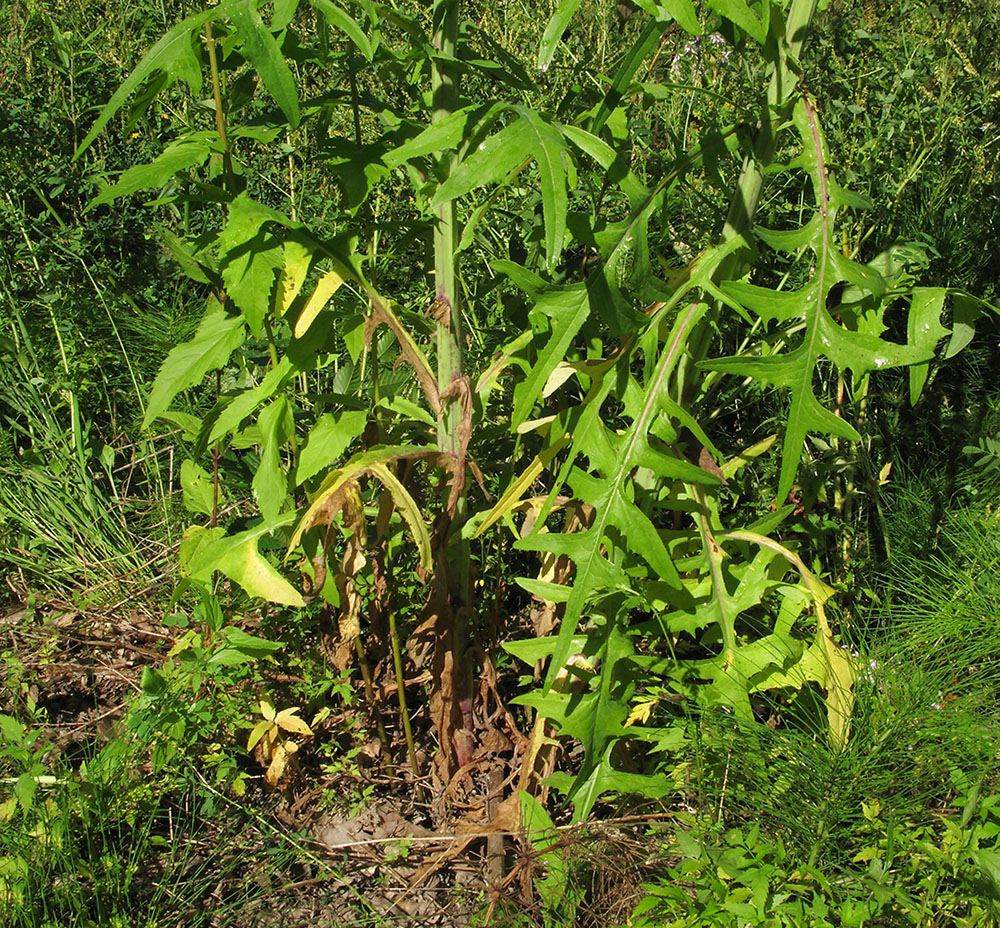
[{"x": 272, "y": 747}]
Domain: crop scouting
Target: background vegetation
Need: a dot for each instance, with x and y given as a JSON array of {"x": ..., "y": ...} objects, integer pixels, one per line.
[{"x": 176, "y": 752}]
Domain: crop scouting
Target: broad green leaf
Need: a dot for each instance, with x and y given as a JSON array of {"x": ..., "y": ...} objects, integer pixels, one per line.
[
  {"x": 270, "y": 483},
  {"x": 337, "y": 18},
  {"x": 218, "y": 335},
  {"x": 265, "y": 56},
  {"x": 924, "y": 330},
  {"x": 204, "y": 551},
  {"x": 489, "y": 163},
  {"x": 198, "y": 488},
  {"x": 179, "y": 156},
  {"x": 249, "y": 257},
  {"x": 232, "y": 414},
  {"x": 328, "y": 440},
  {"x": 443, "y": 134},
  {"x": 554, "y": 31},
  {"x": 176, "y": 55},
  {"x": 241, "y": 647},
  {"x": 738, "y": 12},
  {"x": 284, "y": 13}
]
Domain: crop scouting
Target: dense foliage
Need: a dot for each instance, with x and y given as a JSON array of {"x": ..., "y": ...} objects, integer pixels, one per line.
[{"x": 414, "y": 349}]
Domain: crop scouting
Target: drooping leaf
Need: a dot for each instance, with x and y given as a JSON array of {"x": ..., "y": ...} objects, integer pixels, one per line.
[
  {"x": 924, "y": 330},
  {"x": 218, "y": 335},
  {"x": 738, "y": 12},
  {"x": 337, "y": 18},
  {"x": 264, "y": 54},
  {"x": 325, "y": 288},
  {"x": 186, "y": 152}
]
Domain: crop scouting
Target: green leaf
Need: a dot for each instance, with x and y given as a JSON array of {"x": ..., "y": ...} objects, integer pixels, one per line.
[
  {"x": 204, "y": 551},
  {"x": 264, "y": 54},
  {"x": 337, "y": 18},
  {"x": 177, "y": 55},
  {"x": 179, "y": 156},
  {"x": 821, "y": 334},
  {"x": 152, "y": 682},
  {"x": 554, "y": 32},
  {"x": 250, "y": 257},
  {"x": 328, "y": 440},
  {"x": 232, "y": 414},
  {"x": 270, "y": 483},
  {"x": 198, "y": 488},
  {"x": 242, "y": 647},
  {"x": 530, "y": 137},
  {"x": 218, "y": 335},
  {"x": 924, "y": 330},
  {"x": 739, "y": 14}
]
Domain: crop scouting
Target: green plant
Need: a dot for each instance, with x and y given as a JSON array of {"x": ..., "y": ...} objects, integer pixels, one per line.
[{"x": 612, "y": 464}]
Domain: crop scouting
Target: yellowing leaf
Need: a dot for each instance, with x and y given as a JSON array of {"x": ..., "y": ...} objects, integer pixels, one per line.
[
  {"x": 267, "y": 710},
  {"x": 279, "y": 761},
  {"x": 289, "y": 720},
  {"x": 641, "y": 712},
  {"x": 297, "y": 255},
  {"x": 327, "y": 286},
  {"x": 883, "y": 474},
  {"x": 257, "y": 733}
]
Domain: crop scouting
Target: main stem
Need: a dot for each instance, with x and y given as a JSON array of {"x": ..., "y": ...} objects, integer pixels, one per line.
[{"x": 453, "y": 697}]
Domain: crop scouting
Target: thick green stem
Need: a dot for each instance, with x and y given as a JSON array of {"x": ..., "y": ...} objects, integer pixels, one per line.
[
  {"x": 452, "y": 557},
  {"x": 444, "y": 86}
]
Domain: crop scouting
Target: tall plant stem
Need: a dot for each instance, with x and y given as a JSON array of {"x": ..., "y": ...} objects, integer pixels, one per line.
[
  {"x": 220, "y": 116},
  {"x": 451, "y": 701}
]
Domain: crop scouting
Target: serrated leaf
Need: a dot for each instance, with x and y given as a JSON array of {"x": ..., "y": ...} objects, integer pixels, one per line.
[
  {"x": 822, "y": 336},
  {"x": 218, "y": 335},
  {"x": 328, "y": 440},
  {"x": 265, "y": 56},
  {"x": 530, "y": 137}
]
